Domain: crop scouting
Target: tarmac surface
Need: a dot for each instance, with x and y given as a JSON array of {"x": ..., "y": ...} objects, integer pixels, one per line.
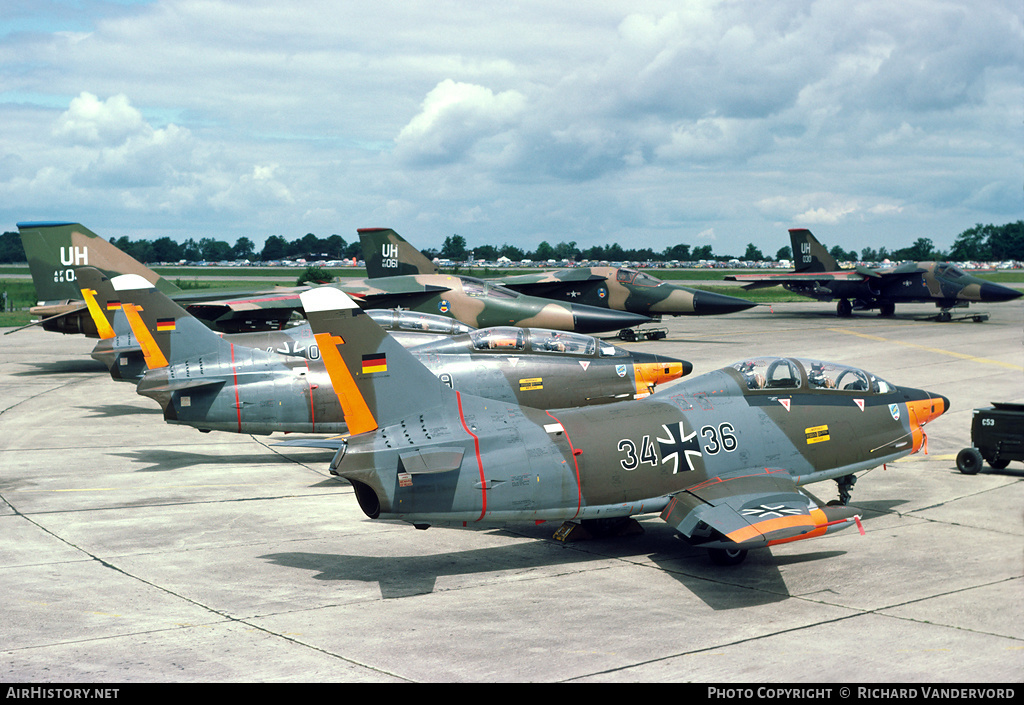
[{"x": 136, "y": 551}]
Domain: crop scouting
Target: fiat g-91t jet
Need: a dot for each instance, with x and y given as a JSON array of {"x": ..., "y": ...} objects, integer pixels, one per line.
[{"x": 722, "y": 457}]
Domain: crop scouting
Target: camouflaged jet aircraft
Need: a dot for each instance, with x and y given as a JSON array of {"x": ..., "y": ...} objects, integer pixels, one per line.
[
  {"x": 615, "y": 288},
  {"x": 819, "y": 276},
  {"x": 56, "y": 249},
  {"x": 723, "y": 456},
  {"x": 210, "y": 382}
]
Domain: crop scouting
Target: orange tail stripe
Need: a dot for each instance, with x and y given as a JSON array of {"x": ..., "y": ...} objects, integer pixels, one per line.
[
  {"x": 358, "y": 416},
  {"x": 102, "y": 324},
  {"x": 150, "y": 350}
]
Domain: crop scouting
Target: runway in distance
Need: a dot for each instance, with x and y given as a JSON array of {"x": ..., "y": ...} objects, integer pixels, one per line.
[
  {"x": 723, "y": 457},
  {"x": 615, "y": 288},
  {"x": 819, "y": 276},
  {"x": 214, "y": 382},
  {"x": 55, "y": 249}
]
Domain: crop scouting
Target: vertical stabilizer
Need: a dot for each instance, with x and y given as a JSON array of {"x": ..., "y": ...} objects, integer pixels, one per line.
[
  {"x": 55, "y": 250},
  {"x": 167, "y": 332},
  {"x": 387, "y": 254},
  {"x": 378, "y": 382},
  {"x": 809, "y": 255}
]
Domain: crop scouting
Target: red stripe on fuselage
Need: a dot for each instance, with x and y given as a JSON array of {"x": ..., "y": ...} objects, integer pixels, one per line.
[
  {"x": 312, "y": 412},
  {"x": 479, "y": 461},
  {"x": 234, "y": 373}
]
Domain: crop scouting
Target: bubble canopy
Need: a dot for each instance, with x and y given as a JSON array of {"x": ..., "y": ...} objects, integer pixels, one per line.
[{"x": 793, "y": 373}]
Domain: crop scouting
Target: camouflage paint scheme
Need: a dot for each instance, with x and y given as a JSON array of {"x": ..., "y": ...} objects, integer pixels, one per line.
[
  {"x": 482, "y": 304},
  {"x": 51, "y": 246},
  {"x": 819, "y": 276},
  {"x": 56, "y": 249},
  {"x": 215, "y": 382},
  {"x": 721, "y": 456},
  {"x": 620, "y": 289}
]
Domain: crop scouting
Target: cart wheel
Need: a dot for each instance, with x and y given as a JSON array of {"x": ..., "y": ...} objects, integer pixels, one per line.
[
  {"x": 998, "y": 463},
  {"x": 968, "y": 461}
]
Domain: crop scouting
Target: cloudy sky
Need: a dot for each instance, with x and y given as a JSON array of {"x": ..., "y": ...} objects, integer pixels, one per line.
[{"x": 646, "y": 122}]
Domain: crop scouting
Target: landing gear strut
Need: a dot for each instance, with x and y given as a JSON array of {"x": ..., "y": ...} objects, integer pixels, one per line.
[{"x": 846, "y": 483}]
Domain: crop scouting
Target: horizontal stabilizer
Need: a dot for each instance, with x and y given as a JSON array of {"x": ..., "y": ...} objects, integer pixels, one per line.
[
  {"x": 333, "y": 443},
  {"x": 422, "y": 462},
  {"x": 178, "y": 385},
  {"x": 49, "y": 320}
]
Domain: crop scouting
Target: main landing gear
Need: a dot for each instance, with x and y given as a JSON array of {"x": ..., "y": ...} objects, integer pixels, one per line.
[
  {"x": 844, "y": 308},
  {"x": 727, "y": 556}
]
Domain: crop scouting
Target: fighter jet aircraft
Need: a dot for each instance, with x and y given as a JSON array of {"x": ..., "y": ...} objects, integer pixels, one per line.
[
  {"x": 210, "y": 382},
  {"x": 819, "y": 276},
  {"x": 56, "y": 249},
  {"x": 615, "y": 288},
  {"x": 723, "y": 456}
]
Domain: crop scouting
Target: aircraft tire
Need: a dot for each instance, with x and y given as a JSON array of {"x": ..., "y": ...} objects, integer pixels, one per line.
[
  {"x": 727, "y": 556},
  {"x": 887, "y": 309},
  {"x": 997, "y": 463},
  {"x": 968, "y": 461},
  {"x": 844, "y": 309}
]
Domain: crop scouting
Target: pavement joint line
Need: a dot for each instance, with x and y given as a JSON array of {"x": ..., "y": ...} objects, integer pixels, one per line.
[
  {"x": 42, "y": 393},
  {"x": 877, "y": 611},
  {"x": 227, "y": 617},
  {"x": 940, "y": 351}
]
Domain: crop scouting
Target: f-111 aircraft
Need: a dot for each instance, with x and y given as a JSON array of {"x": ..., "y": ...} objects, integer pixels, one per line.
[
  {"x": 615, "y": 288},
  {"x": 55, "y": 250},
  {"x": 819, "y": 276},
  {"x": 723, "y": 457}
]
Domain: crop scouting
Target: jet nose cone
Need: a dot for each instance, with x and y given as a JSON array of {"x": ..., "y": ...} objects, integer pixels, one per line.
[
  {"x": 590, "y": 319},
  {"x": 708, "y": 303},
  {"x": 998, "y": 292},
  {"x": 656, "y": 369},
  {"x": 926, "y": 406}
]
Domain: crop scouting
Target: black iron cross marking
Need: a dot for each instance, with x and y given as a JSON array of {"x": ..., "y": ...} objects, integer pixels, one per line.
[{"x": 676, "y": 443}]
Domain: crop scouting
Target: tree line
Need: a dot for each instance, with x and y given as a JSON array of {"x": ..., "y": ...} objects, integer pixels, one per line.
[{"x": 983, "y": 243}]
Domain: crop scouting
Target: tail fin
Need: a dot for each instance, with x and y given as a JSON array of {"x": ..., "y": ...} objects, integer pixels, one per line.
[
  {"x": 100, "y": 298},
  {"x": 55, "y": 250},
  {"x": 166, "y": 332},
  {"x": 387, "y": 254},
  {"x": 377, "y": 381},
  {"x": 809, "y": 255}
]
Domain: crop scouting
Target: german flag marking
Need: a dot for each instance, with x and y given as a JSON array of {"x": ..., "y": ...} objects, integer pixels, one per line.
[{"x": 377, "y": 362}]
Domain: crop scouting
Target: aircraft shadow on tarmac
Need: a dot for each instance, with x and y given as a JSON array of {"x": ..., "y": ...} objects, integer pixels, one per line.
[
  {"x": 62, "y": 367},
  {"x": 757, "y": 581},
  {"x": 163, "y": 460},
  {"x": 112, "y": 410}
]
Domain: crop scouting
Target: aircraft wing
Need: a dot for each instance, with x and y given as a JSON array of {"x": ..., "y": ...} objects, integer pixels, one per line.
[
  {"x": 549, "y": 284},
  {"x": 760, "y": 281},
  {"x": 749, "y": 509}
]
